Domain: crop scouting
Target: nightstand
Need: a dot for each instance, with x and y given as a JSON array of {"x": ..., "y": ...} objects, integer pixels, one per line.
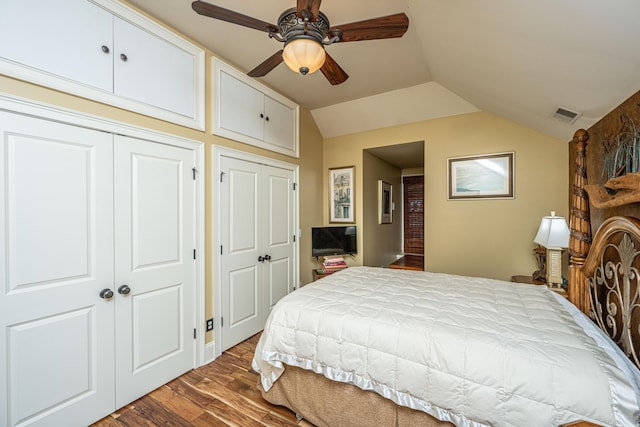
[
  {"x": 319, "y": 274},
  {"x": 527, "y": 279},
  {"x": 561, "y": 292},
  {"x": 531, "y": 281}
]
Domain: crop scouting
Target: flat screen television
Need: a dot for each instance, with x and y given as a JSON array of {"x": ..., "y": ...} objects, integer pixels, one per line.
[{"x": 334, "y": 240}]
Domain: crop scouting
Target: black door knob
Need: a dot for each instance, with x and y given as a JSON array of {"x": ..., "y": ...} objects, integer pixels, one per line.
[{"x": 106, "y": 293}]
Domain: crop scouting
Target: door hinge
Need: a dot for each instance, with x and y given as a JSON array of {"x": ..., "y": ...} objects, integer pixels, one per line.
[
  {"x": 221, "y": 176},
  {"x": 294, "y": 238},
  {"x": 194, "y": 254},
  {"x": 221, "y": 321},
  {"x": 221, "y": 250},
  {"x": 194, "y": 170},
  {"x": 294, "y": 186},
  {"x": 194, "y": 333}
]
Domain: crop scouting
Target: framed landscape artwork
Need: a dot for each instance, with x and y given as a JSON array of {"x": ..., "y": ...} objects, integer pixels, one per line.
[
  {"x": 487, "y": 176},
  {"x": 341, "y": 194}
]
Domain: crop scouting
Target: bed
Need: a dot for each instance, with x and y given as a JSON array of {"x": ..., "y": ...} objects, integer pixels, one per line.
[{"x": 373, "y": 346}]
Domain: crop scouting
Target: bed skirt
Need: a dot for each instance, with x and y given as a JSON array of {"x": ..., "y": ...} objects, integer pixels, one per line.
[{"x": 309, "y": 394}]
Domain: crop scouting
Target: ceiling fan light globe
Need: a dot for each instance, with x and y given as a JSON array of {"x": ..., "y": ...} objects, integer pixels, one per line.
[{"x": 303, "y": 55}]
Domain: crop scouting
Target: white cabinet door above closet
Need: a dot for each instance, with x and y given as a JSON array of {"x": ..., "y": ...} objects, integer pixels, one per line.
[
  {"x": 104, "y": 51},
  {"x": 241, "y": 107},
  {"x": 152, "y": 71},
  {"x": 249, "y": 112},
  {"x": 280, "y": 124},
  {"x": 65, "y": 38}
]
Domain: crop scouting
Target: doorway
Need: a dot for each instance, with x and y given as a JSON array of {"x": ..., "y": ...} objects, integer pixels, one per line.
[
  {"x": 385, "y": 242},
  {"x": 413, "y": 224}
]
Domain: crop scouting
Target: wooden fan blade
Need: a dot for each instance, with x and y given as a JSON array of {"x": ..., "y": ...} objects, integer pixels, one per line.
[
  {"x": 385, "y": 27},
  {"x": 217, "y": 12},
  {"x": 311, "y": 5},
  {"x": 332, "y": 71},
  {"x": 267, "y": 65}
]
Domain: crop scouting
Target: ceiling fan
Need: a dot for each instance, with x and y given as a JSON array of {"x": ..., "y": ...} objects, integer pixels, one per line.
[{"x": 305, "y": 31}]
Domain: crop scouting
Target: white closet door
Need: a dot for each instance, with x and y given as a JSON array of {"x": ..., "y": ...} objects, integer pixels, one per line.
[
  {"x": 56, "y": 255},
  {"x": 278, "y": 214},
  {"x": 257, "y": 262},
  {"x": 155, "y": 241},
  {"x": 241, "y": 272}
]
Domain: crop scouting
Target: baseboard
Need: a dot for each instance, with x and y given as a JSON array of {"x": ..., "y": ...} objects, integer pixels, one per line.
[{"x": 209, "y": 352}]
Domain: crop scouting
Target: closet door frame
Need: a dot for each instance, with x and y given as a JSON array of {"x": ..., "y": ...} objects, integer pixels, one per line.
[
  {"x": 75, "y": 118},
  {"x": 218, "y": 152}
]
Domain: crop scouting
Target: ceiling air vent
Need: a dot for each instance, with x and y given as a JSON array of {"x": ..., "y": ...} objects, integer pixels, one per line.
[{"x": 566, "y": 115}]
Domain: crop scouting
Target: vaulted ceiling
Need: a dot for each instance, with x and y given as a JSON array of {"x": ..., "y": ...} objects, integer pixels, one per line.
[{"x": 517, "y": 59}]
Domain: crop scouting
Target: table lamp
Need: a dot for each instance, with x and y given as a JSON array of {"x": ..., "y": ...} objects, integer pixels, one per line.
[{"x": 553, "y": 234}]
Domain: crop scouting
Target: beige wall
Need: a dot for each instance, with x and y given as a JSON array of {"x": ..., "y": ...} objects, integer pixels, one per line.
[
  {"x": 309, "y": 161},
  {"x": 489, "y": 238},
  {"x": 412, "y": 171},
  {"x": 385, "y": 238},
  {"x": 311, "y": 178}
]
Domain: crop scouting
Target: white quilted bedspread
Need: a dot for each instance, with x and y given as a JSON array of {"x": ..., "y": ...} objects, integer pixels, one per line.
[{"x": 467, "y": 350}]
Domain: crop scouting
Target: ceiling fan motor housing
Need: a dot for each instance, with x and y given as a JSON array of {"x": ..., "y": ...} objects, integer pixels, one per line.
[{"x": 292, "y": 26}]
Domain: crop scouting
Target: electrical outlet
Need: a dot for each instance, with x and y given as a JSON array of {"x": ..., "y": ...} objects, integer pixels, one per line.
[{"x": 209, "y": 325}]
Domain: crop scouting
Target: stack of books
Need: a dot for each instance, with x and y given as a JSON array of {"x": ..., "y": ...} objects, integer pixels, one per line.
[{"x": 331, "y": 264}]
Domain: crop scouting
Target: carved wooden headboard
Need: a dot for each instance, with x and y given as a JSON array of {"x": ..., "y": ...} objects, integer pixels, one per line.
[
  {"x": 612, "y": 271},
  {"x": 580, "y": 225},
  {"x": 604, "y": 274}
]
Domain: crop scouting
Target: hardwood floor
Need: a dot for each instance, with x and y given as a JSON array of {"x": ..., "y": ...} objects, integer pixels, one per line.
[{"x": 222, "y": 393}]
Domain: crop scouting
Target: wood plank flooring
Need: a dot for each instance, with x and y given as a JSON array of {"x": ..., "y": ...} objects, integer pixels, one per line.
[
  {"x": 222, "y": 393},
  {"x": 409, "y": 262}
]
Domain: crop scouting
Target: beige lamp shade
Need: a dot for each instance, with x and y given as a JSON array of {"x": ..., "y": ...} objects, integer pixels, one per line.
[
  {"x": 304, "y": 55},
  {"x": 553, "y": 232}
]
